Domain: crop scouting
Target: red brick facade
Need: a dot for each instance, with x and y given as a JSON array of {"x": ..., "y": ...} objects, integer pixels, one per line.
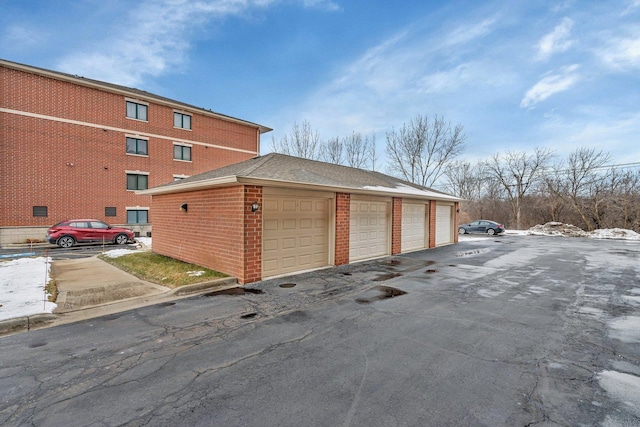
[
  {"x": 252, "y": 235},
  {"x": 432, "y": 225},
  {"x": 396, "y": 226},
  {"x": 343, "y": 217},
  {"x": 63, "y": 146}
]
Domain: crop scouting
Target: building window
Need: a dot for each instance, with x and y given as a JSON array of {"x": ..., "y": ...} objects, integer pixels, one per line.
[
  {"x": 137, "y": 216},
  {"x": 136, "y": 111},
  {"x": 137, "y": 181},
  {"x": 182, "y": 121},
  {"x": 137, "y": 146},
  {"x": 182, "y": 152},
  {"x": 110, "y": 211},
  {"x": 40, "y": 211}
]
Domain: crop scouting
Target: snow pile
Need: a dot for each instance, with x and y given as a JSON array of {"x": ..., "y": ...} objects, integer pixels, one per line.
[
  {"x": 22, "y": 284},
  {"x": 567, "y": 230},
  {"x": 615, "y": 233},
  {"x": 557, "y": 229}
]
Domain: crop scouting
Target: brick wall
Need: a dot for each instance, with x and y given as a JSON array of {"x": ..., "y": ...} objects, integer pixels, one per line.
[
  {"x": 432, "y": 224},
  {"x": 343, "y": 217},
  {"x": 456, "y": 221},
  {"x": 396, "y": 226},
  {"x": 252, "y": 235},
  {"x": 210, "y": 233},
  {"x": 77, "y": 169}
]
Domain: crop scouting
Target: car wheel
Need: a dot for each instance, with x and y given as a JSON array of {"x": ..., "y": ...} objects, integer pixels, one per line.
[
  {"x": 66, "y": 241},
  {"x": 121, "y": 239},
  {"x": 491, "y": 232},
  {"x": 461, "y": 231}
]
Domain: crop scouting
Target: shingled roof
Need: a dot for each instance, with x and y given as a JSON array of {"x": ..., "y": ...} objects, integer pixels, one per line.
[{"x": 280, "y": 170}]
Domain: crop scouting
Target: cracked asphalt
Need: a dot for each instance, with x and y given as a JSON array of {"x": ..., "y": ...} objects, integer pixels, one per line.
[{"x": 500, "y": 331}]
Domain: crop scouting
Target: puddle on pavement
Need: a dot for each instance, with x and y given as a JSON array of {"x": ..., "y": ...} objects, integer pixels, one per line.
[
  {"x": 37, "y": 344},
  {"x": 394, "y": 262},
  {"x": 111, "y": 317},
  {"x": 387, "y": 276},
  {"x": 346, "y": 274},
  {"x": 384, "y": 292},
  {"x": 429, "y": 262},
  {"x": 288, "y": 285},
  {"x": 430, "y": 271},
  {"x": 249, "y": 316},
  {"x": 234, "y": 291}
]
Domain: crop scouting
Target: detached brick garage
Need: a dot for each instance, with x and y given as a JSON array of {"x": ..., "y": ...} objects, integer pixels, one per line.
[{"x": 275, "y": 215}]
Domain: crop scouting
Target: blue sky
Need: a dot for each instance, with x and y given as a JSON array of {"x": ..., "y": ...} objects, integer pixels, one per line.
[{"x": 515, "y": 74}]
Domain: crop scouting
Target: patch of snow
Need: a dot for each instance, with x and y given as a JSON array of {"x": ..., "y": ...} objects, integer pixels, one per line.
[
  {"x": 115, "y": 253},
  {"x": 406, "y": 189},
  {"x": 146, "y": 241},
  {"x": 22, "y": 283},
  {"x": 195, "y": 273},
  {"x": 614, "y": 233},
  {"x": 554, "y": 228},
  {"x": 622, "y": 387},
  {"x": 625, "y": 329}
]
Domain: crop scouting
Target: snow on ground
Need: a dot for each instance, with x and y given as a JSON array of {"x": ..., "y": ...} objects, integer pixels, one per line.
[
  {"x": 568, "y": 230},
  {"x": 22, "y": 283}
]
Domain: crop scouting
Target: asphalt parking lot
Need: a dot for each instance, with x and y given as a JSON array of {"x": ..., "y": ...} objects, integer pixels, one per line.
[{"x": 500, "y": 331}]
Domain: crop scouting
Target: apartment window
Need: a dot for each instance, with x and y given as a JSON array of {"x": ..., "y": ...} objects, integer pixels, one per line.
[
  {"x": 137, "y": 216},
  {"x": 182, "y": 152},
  {"x": 110, "y": 211},
  {"x": 182, "y": 121},
  {"x": 137, "y": 111},
  {"x": 40, "y": 211},
  {"x": 137, "y": 181},
  {"x": 137, "y": 146}
]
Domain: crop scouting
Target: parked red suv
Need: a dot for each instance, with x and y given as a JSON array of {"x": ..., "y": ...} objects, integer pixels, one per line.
[{"x": 66, "y": 233}]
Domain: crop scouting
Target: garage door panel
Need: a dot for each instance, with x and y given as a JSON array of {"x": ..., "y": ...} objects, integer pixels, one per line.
[
  {"x": 444, "y": 233},
  {"x": 295, "y": 234},
  {"x": 369, "y": 229},
  {"x": 414, "y": 236}
]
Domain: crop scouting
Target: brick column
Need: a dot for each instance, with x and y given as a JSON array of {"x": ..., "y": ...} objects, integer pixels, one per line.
[
  {"x": 252, "y": 235},
  {"x": 432, "y": 224},
  {"x": 396, "y": 226},
  {"x": 343, "y": 217},
  {"x": 456, "y": 221}
]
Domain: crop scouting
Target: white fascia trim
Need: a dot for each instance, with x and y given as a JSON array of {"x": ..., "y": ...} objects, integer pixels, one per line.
[
  {"x": 137, "y": 172},
  {"x": 189, "y": 186}
]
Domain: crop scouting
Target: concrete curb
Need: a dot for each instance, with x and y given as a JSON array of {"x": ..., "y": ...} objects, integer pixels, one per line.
[
  {"x": 198, "y": 287},
  {"x": 26, "y": 323}
]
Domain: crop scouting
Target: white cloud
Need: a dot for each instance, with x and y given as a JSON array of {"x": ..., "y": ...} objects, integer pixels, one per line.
[
  {"x": 19, "y": 37},
  {"x": 556, "y": 41},
  {"x": 155, "y": 37},
  {"x": 467, "y": 33},
  {"x": 622, "y": 54},
  {"x": 550, "y": 85}
]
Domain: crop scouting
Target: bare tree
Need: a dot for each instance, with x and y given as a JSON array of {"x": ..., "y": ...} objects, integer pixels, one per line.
[
  {"x": 373, "y": 156},
  {"x": 358, "y": 150},
  {"x": 332, "y": 151},
  {"x": 303, "y": 142},
  {"x": 583, "y": 181},
  {"x": 420, "y": 150},
  {"x": 518, "y": 172},
  {"x": 464, "y": 180}
]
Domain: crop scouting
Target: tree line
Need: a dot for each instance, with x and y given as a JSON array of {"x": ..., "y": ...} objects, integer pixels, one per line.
[{"x": 518, "y": 189}]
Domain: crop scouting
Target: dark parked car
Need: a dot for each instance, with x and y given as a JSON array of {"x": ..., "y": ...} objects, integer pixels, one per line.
[
  {"x": 481, "y": 226},
  {"x": 67, "y": 233}
]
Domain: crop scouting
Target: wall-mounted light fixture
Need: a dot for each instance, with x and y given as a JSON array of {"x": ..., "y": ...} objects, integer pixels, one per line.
[
  {"x": 255, "y": 206},
  {"x": 184, "y": 207},
  {"x": 457, "y": 210}
]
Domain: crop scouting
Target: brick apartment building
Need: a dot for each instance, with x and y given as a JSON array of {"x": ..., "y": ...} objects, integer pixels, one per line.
[{"x": 72, "y": 147}]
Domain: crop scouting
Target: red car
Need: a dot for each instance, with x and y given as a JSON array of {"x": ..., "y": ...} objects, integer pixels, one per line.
[{"x": 67, "y": 233}]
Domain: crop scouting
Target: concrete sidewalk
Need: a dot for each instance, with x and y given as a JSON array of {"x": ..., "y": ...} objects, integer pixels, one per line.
[{"x": 90, "y": 287}]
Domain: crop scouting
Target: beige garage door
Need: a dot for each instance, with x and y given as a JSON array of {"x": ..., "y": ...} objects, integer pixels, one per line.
[
  {"x": 414, "y": 234},
  {"x": 444, "y": 233},
  {"x": 295, "y": 234},
  {"x": 369, "y": 229}
]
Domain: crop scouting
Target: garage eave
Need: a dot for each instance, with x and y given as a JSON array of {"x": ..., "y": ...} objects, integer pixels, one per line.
[
  {"x": 189, "y": 186},
  {"x": 399, "y": 191}
]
